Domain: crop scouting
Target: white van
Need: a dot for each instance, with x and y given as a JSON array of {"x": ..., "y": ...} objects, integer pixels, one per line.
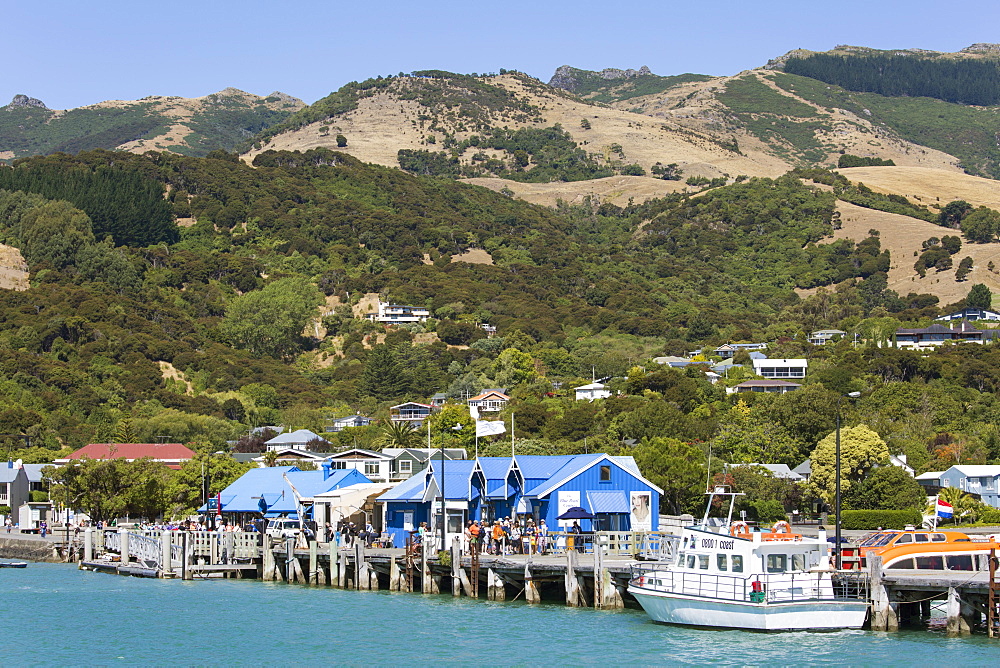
[{"x": 282, "y": 527}]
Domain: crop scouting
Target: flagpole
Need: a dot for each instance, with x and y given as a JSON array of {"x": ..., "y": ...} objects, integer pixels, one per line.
[{"x": 512, "y": 435}]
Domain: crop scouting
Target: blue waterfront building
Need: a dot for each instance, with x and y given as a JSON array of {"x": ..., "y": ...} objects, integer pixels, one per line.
[
  {"x": 267, "y": 491},
  {"x": 539, "y": 487}
]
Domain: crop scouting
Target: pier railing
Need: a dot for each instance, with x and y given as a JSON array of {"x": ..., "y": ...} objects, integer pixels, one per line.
[
  {"x": 213, "y": 546},
  {"x": 770, "y": 587}
]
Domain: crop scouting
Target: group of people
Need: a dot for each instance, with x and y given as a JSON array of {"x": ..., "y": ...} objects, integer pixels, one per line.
[{"x": 507, "y": 536}]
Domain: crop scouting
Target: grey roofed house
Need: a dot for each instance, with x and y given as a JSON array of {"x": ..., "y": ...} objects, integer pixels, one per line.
[
  {"x": 13, "y": 486},
  {"x": 804, "y": 469},
  {"x": 34, "y": 473},
  {"x": 408, "y": 461},
  {"x": 970, "y": 314},
  {"x": 780, "y": 471},
  {"x": 340, "y": 424},
  {"x": 298, "y": 440}
]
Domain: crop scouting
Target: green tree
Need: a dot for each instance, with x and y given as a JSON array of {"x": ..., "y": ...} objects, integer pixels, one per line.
[
  {"x": 209, "y": 471},
  {"x": 861, "y": 449},
  {"x": 395, "y": 434},
  {"x": 270, "y": 321},
  {"x": 886, "y": 488},
  {"x": 678, "y": 468},
  {"x": 513, "y": 367},
  {"x": 979, "y": 297},
  {"x": 982, "y": 225},
  {"x": 747, "y": 436},
  {"x": 341, "y": 141},
  {"x": 953, "y": 213},
  {"x": 964, "y": 268},
  {"x": 107, "y": 489},
  {"x": 383, "y": 377}
]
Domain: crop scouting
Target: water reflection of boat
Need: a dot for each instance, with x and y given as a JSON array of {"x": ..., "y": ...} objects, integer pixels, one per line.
[{"x": 730, "y": 576}]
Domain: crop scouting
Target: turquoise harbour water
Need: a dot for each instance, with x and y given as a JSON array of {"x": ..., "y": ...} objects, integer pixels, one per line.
[{"x": 56, "y": 615}]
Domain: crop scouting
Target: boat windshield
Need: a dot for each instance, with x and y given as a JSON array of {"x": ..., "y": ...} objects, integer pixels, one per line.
[{"x": 879, "y": 539}]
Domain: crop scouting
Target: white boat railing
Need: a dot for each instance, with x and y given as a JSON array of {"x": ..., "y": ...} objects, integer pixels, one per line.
[{"x": 757, "y": 588}]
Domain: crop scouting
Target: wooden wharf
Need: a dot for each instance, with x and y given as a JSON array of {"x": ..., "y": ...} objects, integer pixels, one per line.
[{"x": 592, "y": 574}]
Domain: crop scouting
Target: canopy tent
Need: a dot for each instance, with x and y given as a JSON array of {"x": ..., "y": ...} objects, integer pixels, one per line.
[{"x": 341, "y": 503}]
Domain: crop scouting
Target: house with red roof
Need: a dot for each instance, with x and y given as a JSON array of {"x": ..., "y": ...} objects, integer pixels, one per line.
[{"x": 171, "y": 454}]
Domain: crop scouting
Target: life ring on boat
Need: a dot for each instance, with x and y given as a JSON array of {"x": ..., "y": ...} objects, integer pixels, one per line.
[
  {"x": 739, "y": 529},
  {"x": 781, "y": 527}
]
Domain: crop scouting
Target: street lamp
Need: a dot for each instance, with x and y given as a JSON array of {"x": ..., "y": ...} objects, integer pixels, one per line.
[{"x": 849, "y": 395}]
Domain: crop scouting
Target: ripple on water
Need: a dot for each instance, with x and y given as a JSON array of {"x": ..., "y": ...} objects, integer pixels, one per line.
[{"x": 76, "y": 617}]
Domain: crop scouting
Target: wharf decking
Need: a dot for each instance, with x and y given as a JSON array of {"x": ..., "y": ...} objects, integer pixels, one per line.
[{"x": 597, "y": 576}]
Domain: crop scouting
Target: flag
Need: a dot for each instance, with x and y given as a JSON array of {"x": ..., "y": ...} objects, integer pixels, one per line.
[
  {"x": 474, "y": 412},
  {"x": 943, "y": 509},
  {"x": 489, "y": 427}
]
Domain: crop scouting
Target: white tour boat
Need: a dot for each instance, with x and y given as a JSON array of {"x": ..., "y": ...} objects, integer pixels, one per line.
[{"x": 729, "y": 576}]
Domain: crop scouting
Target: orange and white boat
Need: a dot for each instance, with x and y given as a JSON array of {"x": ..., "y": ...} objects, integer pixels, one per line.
[{"x": 919, "y": 549}]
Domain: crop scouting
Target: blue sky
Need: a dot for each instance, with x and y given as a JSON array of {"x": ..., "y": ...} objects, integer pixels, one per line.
[{"x": 70, "y": 53}]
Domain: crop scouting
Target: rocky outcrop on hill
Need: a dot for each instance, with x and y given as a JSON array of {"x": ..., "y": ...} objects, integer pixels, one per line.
[
  {"x": 567, "y": 77},
  {"x": 20, "y": 101},
  {"x": 984, "y": 48}
]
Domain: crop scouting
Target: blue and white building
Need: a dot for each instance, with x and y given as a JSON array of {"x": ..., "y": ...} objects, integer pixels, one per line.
[
  {"x": 980, "y": 479},
  {"x": 266, "y": 492},
  {"x": 539, "y": 487}
]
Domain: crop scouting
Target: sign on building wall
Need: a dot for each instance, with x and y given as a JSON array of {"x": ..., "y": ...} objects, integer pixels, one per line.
[
  {"x": 566, "y": 501},
  {"x": 642, "y": 513}
]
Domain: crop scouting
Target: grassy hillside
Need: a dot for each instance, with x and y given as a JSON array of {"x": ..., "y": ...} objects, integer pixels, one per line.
[{"x": 191, "y": 127}]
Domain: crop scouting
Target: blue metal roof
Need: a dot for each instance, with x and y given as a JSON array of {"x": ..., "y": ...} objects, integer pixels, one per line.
[
  {"x": 495, "y": 468},
  {"x": 411, "y": 489},
  {"x": 542, "y": 466},
  {"x": 244, "y": 494},
  {"x": 610, "y": 501}
]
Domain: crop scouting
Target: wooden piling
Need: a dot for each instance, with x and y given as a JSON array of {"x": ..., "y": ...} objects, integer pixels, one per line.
[
  {"x": 123, "y": 557},
  {"x": 267, "y": 560},
  {"x": 88, "y": 545},
  {"x": 360, "y": 566},
  {"x": 313, "y": 576},
  {"x": 531, "y": 594},
  {"x": 884, "y": 617},
  {"x": 456, "y": 567},
  {"x": 166, "y": 563},
  {"x": 957, "y": 624},
  {"x": 395, "y": 579},
  {"x": 494, "y": 586},
  {"x": 571, "y": 584}
]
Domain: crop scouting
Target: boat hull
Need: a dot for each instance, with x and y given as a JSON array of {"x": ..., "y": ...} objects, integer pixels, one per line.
[{"x": 806, "y": 615}]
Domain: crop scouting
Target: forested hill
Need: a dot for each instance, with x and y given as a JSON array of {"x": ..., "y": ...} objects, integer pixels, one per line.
[
  {"x": 963, "y": 80},
  {"x": 190, "y": 126},
  {"x": 226, "y": 300}
]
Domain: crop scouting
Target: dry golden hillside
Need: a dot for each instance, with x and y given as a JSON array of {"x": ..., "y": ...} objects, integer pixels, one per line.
[
  {"x": 696, "y": 105},
  {"x": 383, "y": 124},
  {"x": 686, "y": 124},
  {"x": 902, "y": 236},
  {"x": 928, "y": 186}
]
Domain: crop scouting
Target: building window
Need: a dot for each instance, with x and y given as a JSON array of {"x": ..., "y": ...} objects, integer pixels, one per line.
[
  {"x": 338, "y": 465},
  {"x": 405, "y": 466},
  {"x": 372, "y": 468},
  {"x": 605, "y": 474}
]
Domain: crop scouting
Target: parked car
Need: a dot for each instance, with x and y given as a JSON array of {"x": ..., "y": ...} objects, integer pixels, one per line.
[{"x": 282, "y": 527}]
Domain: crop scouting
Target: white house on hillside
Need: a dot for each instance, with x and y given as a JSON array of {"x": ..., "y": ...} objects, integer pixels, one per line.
[
  {"x": 775, "y": 368},
  {"x": 399, "y": 313},
  {"x": 301, "y": 439},
  {"x": 592, "y": 391}
]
